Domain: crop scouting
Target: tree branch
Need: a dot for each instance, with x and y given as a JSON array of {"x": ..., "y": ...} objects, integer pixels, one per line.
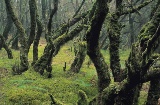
[
  {"x": 65, "y": 26},
  {"x": 135, "y": 9},
  {"x": 79, "y": 8}
]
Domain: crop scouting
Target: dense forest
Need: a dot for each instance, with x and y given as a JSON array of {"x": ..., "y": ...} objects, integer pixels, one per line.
[{"x": 80, "y": 52}]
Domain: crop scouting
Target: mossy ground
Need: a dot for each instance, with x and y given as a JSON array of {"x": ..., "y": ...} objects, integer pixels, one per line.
[{"x": 32, "y": 89}]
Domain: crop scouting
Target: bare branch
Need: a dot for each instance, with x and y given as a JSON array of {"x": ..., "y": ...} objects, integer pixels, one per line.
[{"x": 135, "y": 9}]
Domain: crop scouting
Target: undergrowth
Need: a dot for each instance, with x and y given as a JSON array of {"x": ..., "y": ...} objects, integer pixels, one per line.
[{"x": 32, "y": 89}]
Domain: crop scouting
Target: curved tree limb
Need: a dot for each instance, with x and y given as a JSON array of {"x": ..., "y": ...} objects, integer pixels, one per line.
[
  {"x": 79, "y": 8},
  {"x": 135, "y": 9},
  {"x": 54, "y": 47},
  {"x": 93, "y": 49},
  {"x": 22, "y": 37},
  {"x": 61, "y": 30}
]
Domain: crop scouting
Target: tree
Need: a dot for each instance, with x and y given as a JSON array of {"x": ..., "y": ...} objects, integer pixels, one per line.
[
  {"x": 23, "y": 52},
  {"x": 138, "y": 66},
  {"x": 139, "y": 62}
]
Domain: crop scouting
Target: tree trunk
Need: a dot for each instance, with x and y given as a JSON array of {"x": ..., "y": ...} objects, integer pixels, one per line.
[
  {"x": 93, "y": 49},
  {"x": 114, "y": 38},
  {"x": 43, "y": 9},
  {"x": 114, "y": 29},
  {"x": 154, "y": 92},
  {"x": 137, "y": 65},
  {"x": 33, "y": 11},
  {"x": 36, "y": 40},
  {"x": 79, "y": 58},
  {"x": 9, "y": 52},
  {"x": 23, "y": 52},
  {"x": 129, "y": 97},
  {"x": 132, "y": 35},
  {"x": 52, "y": 49},
  {"x": 59, "y": 38},
  {"x": 7, "y": 28}
]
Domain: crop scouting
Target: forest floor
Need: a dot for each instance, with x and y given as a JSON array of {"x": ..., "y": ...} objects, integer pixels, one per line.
[{"x": 32, "y": 89}]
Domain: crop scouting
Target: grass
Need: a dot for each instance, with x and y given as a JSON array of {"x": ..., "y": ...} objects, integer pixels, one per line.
[{"x": 32, "y": 89}]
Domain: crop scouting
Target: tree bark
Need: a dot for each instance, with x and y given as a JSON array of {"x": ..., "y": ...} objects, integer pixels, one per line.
[
  {"x": 53, "y": 46},
  {"x": 9, "y": 52},
  {"x": 138, "y": 64},
  {"x": 79, "y": 58},
  {"x": 154, "y": 92},
  {"x": 93, "y": 49},
  {"x": 33, "y": 11},
  {"x": 114, "y": 29},
  {"x": 132, "y": 35},
  {"x": 52, "y": 49},
  {"x": 64, "y": 27},
  {"x": 22, "y": 38},
  {"x": 6, "y": 29},
  {"x": 36, "y": 40}
]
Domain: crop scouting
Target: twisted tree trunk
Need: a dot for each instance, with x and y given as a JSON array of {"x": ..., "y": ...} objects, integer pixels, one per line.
[
  {"x": 93, "y": 49},
  {"x": 22, "y": 38},
  {"x": 79, "y": 58},
  {"x": 52, "y": 49}
]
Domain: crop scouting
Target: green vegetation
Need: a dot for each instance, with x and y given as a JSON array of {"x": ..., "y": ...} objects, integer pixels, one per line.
[{"x": 32, "y": 89}]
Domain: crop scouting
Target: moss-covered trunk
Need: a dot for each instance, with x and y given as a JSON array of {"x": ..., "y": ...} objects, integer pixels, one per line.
[
  {"x": 37, "y": 35},
  {"x": 79, "y": 58},
  {"x": 154, "y": 92},
  {"x": 138, "y": 64},
  {"x": 114, "y": 38},
  {"x": 33, "y": 11},
  {"x": 36, "y": 40},
  {"x": 154, "y": 89},
  {"x": 61, "y": 30},
  {"x": 93, "y": 49},
  {"x": 22, "y": 37},
  {"x": 114, "y": 29},
  {"x": 53, "y": 48},
  {"x": 132, "y": 35},
  {"x": 139, "y": 60},
  {"x": 130, "y": 97}
]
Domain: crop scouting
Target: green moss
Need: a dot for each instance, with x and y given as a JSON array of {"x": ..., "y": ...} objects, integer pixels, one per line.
[
  {"x": 83, "y": 99},
  {"x": 142, "y": 99},
  {"x": 35, "y": 88}
]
